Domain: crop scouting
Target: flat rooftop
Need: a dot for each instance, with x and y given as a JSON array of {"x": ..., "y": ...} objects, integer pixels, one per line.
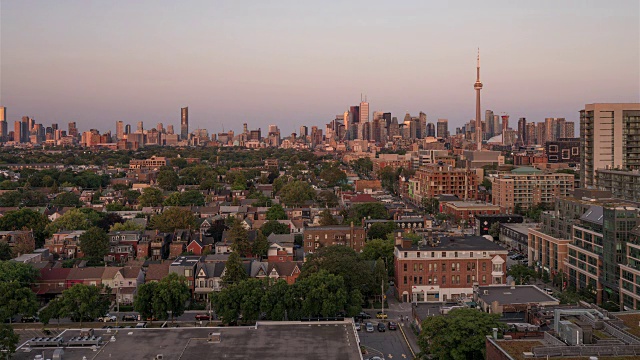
[
  {"x": 460, "y": 243},
  {"x": 267, "y": 340},
  {"x": 508, "y": 295}
]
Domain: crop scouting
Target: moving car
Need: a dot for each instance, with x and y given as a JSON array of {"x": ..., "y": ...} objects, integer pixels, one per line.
[
  {"x": 381, "y": 327},
  {"x": 107, "y": 318},
  {"x": 369, "y": 327},
  {"x": 393, "y": 326},
  {"x": 129, "y": 318},
  {"x": 381, "y": 315},
  {"x": 203, "y": 317}
]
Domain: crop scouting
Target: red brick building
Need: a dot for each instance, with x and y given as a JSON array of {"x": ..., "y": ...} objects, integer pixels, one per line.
[
  {"x": 433, "y": 180},
  {"x": 467, "y": 210},
  {"x": 320, "y": 236},
  {"x": 446, "y": 268}
]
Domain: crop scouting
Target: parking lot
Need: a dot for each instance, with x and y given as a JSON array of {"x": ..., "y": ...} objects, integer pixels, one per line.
[{"x": 389, "y": 344}]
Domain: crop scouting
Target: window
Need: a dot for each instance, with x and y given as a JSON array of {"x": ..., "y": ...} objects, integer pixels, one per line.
[
  {"x": 468, "y": 279},
  {"x": 418, "y": 254},
  {"x": 187, "y": 272},
  {"x": 455, "y": 254},
  {"x": 405, "y": 254},
  {"x": 471, "y": 254},
  {"x": 415, "y": 267},
  {"x": 553, "y": 148},
  {"x": 453, "y": 266},
  {"x": 444, "y": 266},
  {"x": 435, "y": 280},
  {"x": 405, "y": 267},
  {"x": 497, "y": 267},
  {"x": 484, "y": 266},
  {"x": 484, "y": 279},
  {"x": 421, "y": 266},
  {"x": 575, "y": 150},
  {"x": 405, "y": 280},
  {"x": 444, "y": 254},
  {"x": 444, "y": 280},
  {"x": 565, "y": 154},
  {"x": 420, "y": 280},
  {"x": 415, "y": 279},
  {"x": 430, "y": 267}
]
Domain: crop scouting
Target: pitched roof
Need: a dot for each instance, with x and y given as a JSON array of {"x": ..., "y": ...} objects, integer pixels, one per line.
[
  {"x": 110, "y": 272},
  {"x": 53, "y": 274},
  {"x": 157, "y": 271},
  {"x": 130, "y": 272},
  {"x": 285, "y": 268},
  {"x": 86, "y": 273}
]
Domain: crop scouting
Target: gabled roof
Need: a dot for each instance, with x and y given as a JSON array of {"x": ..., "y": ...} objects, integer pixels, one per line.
[
  {"x": 53, "y": 274},
  {"x": 285, "y": 268},
  {"x": 157, "y": 271},
  {"x": 130, "y": 272},
  {"x": 258, "y": 268},
  {"x": 110, "y": 272},
  {"x": 86, "y": 273}
]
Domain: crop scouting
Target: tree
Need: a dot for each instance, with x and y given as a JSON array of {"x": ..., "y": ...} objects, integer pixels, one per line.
[
  {"x": 94, "y": 243},
  {"x": 326, "y": 219},
  {"x": 84, "y": 302},
  {"x": 192, "y": 197},
  {"x": 74, "y": 219},
  {"x": 5, "y": 251},
  {"x": 521, "y": 274},
  {"x": 494, "y": 231},
  {"x": 369, "y": 211},
  {"x": 297, "y": 193},
  {"x": 274, "y": 227},
  {"x": 260, "y": 245},
  {"x": 127, "y": 226},
  {"x": 67, "y": 199},
  {"x": 460, "y": 335},
  {"x": 381, "y": 230},
  {"x": 276, "y": 212},
  {"x": 333, "y": 176},
  {"x": 26, "y": 219},
  {"x": 431, "y": 205},
  {"x": 325, "y": 294},
  {"x": 171, "y": 295},
  {"x": 173, "y": 218},
  {"x": 239, "y": 238},
  {"x": 16, "y": 298},
  {"x": 327, "y": 198},
  {"x": 379, "y": 249},
  {"x": 23, "y": 274},
  {"x": 234, "y": 270},
  {"x": 143, "y": 301},
  {"x": 8, "y": 340},
  {"x": 168, "y": 179},
  {"x": 150, "y": 197},
  {"x": 53, "y": 310},
  {"x": 381, "y": 276}
]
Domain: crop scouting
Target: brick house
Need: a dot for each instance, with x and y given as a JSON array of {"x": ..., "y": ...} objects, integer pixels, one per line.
[
  {"x": 123, "y": 245},
  {"x": 65, "y": 244},
  {"x": 446, "y": 268},
  {"x": 319, "y": 236}
]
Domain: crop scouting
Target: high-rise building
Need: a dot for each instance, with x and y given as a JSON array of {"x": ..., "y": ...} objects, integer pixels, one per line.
[
  {"x": 443, "y": 128},
  {"x": 478, "y": 86},
  {"x": 423, "y": 125},
  {"x": 431, "y": 130},
  {"x": 304, "y": 131},
  {"x": 488, "y": 118},
  {"x": 497, "y": 129},
  {"x": 569, "y": 129},
  {"x": 541, "y": 133},
  {"x": 364, "y": 111},
  {"x": 530, "y": 137},
  {"x": 3, "y": 113},
  {"x": 387, "y": 118},
  {"x": 24, "y": 129},
  {"x": 127, "y": 129},
  {"x": 160, "y": 127},
  {"x": 140, "y": 128},
  {"x": 120, "y": 130},
  {"x": 17, "y": 131},
  {"x": 184, "y": 123},
  {"x": 505, "y": 125},
  {"x": 522, "y": 131},
  {"x": 73, "y": 130},
  {"x": 170, "y": 130},
  {"x": 610, "y": 139},
  {"x": 3, "y": 124}
]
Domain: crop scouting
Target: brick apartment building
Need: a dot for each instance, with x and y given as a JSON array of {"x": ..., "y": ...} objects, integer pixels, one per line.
[
  {"x": 436, "y": 179},
  {"x": 527, "y": 187},
  {"x": 446, "y": 268},
  {"x": 320, "y": 236}
]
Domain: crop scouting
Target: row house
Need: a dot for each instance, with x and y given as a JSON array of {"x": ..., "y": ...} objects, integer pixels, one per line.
[
  {"x": 85, "y": 276},
  {"x": 288, "y": 271},
  {"x": 208, "y": 279},
  {"x": 65, "y": 244},
  {"x": 321, "y": 236},
  {"x": 446, "y": 268},
  {"x": 224, "y": 246},
  {"x": 123, "y": 282},
  {"x": 186, "y": 266},
  {"x": 154, "y": 245},
  {"x": 280, "y": 248},
  {"x": 200, "y": 245},
  {"x": 123, "y": 245},
  {"x": 51, "y": 283}
]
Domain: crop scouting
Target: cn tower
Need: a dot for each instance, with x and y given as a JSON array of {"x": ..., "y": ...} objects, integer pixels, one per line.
[{"x": 478, "y": 87}]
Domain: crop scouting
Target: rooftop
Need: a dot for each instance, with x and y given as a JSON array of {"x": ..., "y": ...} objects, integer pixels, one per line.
[
  {"x": 268, "y": 340},
  {"x": 461, "y": 243},
  {"x": 521, "y": 294}
]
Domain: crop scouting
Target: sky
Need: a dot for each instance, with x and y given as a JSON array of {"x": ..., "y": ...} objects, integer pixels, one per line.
[{"x": 294, "y": 63}]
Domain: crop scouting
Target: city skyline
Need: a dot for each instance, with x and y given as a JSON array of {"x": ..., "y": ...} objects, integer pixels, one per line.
[{"x": 538, "y": 62}]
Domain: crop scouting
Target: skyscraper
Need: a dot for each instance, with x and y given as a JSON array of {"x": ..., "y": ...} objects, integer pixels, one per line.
[
  {"x": 522, "y": 131},
  {"x": 140, "y": 128},
  {"x": 431, "y": 130},
  {"x": 505, "y": 126},
  {"x": 443, "y": 128},
  {"x": 184, "y": 123},
  {"x": 17, "y": 131},
  {"x": 304, "y": 131},
  {"x": 364, "y": 111},
  {"x": 127, "y": 129},
  {"x": 530, "y": 137},
  {"x": 478, "y": 86},
  {"x": 423, "y": 125},
  {"x": 73, "y": 130},
  {"x": 3, "y": 123},
  {"x": 488, "y": 119},
  {"x": 609, "y": 138},
  {"x": 120, "y": 130}
]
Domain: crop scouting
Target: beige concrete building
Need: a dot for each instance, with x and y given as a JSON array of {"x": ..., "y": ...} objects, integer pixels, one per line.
[
  {"x": 610, "y": 139},
  {"x": 547, "y": 252},
  {"x": 529, "y": 186}
]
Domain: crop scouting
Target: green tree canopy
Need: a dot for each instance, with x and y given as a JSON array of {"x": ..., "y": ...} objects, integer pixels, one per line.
[
  {"x": 171, "y": 295},
  {"x": 333, "y": 176},
  {"x": 239, "y": 238},
  {"x": 431, "y": 205},
  {"x": 173, "y": 218},
  {"x": 186, "y": 198},
  {"x": 67, "y": 199},
  {"x": 326, "y": 219},
  {"x": 460, "y": 335},
  {"x": 8, "y": 340},
  {"x": 16, "y": 298},
  {"x": 5, "y": 251},
  {"x": 521, "y": 274},
  {"x": 168, "y": 179},
  {"x": 276, "y": 212},
  {"x": 274, "y": 227},
  {"x": 84, "y": 302},
  {"x": 94, "y": 243},
  {"x": 74, "y": 219},
  {"x": 126, "y": 226},
  {"x": 297, "y": 193},
  {"x": 381, "y": 230},
  {"x": 143, "y": 301},
  {"x": 26, "y": 219},
  {"x": 369, "y": 211},
  {"x": 234, "y": 270},
  {"x": 151, "y": 197},
  {"x": 260, "y": 245}
]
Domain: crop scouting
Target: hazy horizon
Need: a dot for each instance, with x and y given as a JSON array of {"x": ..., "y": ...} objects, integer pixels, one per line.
[{"x": 293, "y": 63}]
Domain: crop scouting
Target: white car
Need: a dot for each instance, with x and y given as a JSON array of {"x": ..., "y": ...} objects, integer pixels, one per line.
[{"x": 107, "y": 318}]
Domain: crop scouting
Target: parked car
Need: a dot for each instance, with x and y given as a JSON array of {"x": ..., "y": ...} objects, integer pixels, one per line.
[
  {"x": 358, "y": 326},
  {"x": 203, "y": 317},
  {"x": 26, "y": 319},
  {"x": 381, "y": 315},
  {"x": 141, "y": 325},
  {"x": 107, "y": 318},
  {"x": 393, "y": 326},
  {"x": 376, "y": 358},
  {"x": 364, "y": 315},
  {"x": 381, "y": 327},
  {"x": 129, "y": 318},
  {"x": 548, "y": 291},
  {"x": 369, "y": 327}
]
